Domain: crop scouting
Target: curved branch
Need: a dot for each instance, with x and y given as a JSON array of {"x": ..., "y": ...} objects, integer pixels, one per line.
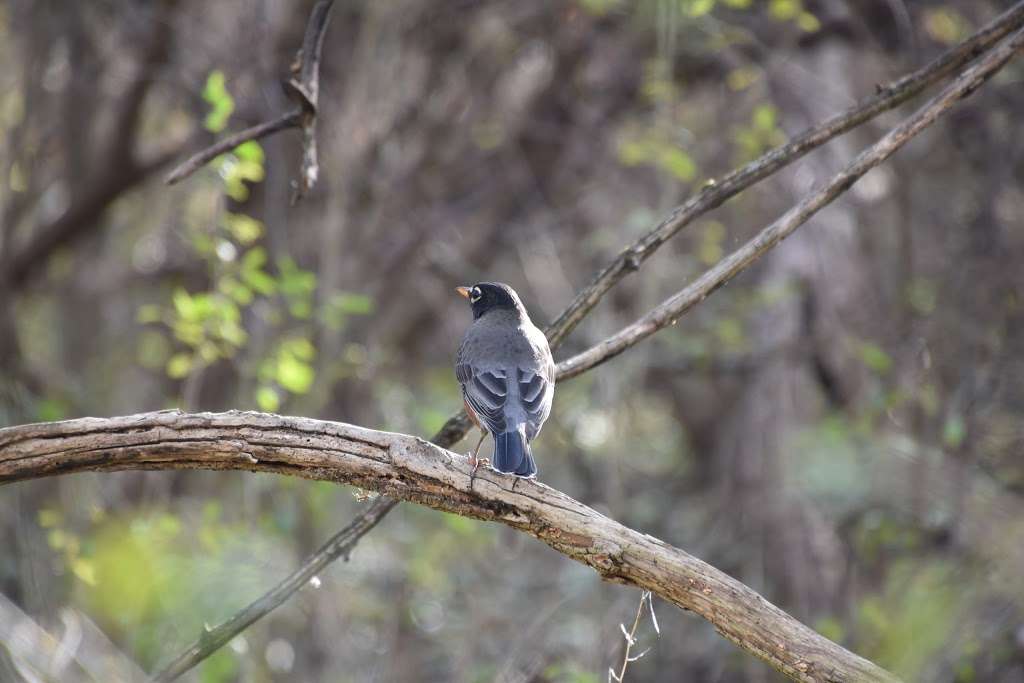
[
  {"x": 669, "y": 310},
  {"x": 409, "y": 468},
  {"x": 717, "y": 193}
]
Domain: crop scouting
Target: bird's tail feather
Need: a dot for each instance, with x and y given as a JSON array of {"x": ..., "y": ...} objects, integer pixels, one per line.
[{"x": 512, "y": 454}]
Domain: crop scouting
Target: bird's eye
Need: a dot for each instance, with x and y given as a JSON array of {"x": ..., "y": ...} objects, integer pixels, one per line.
[{"x": 474, "y": 295}]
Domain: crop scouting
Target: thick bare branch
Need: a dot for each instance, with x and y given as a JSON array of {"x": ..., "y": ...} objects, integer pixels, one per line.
[
  {"x": 340, "y": 545},
  {"x": 304, "y": 88},
  {"x": 405, "y": 467},
  {"x": 714, "y": 195},
  {"x": 669, "y": 311}
]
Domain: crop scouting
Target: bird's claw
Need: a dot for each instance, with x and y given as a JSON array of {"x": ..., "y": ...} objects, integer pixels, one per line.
[{"x": 476, "y": 463}]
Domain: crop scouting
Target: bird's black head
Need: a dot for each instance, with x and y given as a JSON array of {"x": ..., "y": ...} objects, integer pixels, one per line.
[{"x": 490, "y": 296}]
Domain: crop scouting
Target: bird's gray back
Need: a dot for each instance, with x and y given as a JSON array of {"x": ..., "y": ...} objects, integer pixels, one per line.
[{"x": 511, "y": 347}]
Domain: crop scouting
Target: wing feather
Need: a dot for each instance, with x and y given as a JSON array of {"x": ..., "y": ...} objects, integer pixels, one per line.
[{"x": 485, "y": 391}]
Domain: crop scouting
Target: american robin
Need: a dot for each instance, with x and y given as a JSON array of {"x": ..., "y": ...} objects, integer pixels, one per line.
[{"x": 507, "y": 376}]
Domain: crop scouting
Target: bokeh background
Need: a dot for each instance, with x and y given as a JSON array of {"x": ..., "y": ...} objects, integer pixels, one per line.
[{"x": 840, "y": 428}]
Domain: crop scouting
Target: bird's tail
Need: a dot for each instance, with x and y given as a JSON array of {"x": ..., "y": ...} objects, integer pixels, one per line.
[{"x": 512, "y": 454}]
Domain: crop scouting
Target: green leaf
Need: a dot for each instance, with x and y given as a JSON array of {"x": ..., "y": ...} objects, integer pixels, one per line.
[
  {"x": 875, "y": 358},
  {"x": 51, "y": 410},
  {"x": 236, "y": 290},
  {"x": 954, "y": 431},
  {"x": 352, "y": 304},
  {"x": 294, "y": 375},
  {"x": 179, "y": 365},
  {"x": 245, "y": 229},
  {"x": 222, "y": 105},
  {"x": 678, "y": 163},
  {"x": 785, "y": 9},
  {"x": 85, "y": 570},
  {"x": 808, "y": 22},
  {"x": 300, "y": 347},
  {"x": 149, "y": 313},
  {"x": 183, "y": 304},
  {"x": 301, "y": 309},
  {"x": 764, "y": 117},
  {"x": 254, "y": 258},
  {"x": 250, "y": 151},
  {"x": 698, "y": 8},
  {"x": 220, "y": 667},
  {"x": 633, "y": 152},
  {"x": 267, "y": 399},
  {"x": 50, "y": 518}
]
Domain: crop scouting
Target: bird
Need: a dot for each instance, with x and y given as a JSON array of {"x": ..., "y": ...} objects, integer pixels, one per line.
[{"x": 507, "y": 375}]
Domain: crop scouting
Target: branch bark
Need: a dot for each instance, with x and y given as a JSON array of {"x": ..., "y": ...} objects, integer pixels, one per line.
[{"x": 408, "y": 468}]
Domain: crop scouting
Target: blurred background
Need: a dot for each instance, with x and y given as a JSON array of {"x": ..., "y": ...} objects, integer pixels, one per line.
[{"x": 840, "y": 428}]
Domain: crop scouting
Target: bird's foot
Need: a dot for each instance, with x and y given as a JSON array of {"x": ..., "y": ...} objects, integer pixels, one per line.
[{"x": 476, "y": 463}]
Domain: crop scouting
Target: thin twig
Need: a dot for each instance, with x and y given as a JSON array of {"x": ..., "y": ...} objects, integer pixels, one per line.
[
  {"x": 668, "y": 312},
  {"x": 645, "y": 598},
  {"x": 339, "y": 546},
  {"x": 304, "y": 88},
  {"x": 257, "y": 132},
  {"x": 717, "y": 193}
]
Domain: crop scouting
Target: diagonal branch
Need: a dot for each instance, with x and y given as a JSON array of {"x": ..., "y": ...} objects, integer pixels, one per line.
[
  {"x": 287, "y": 120},
  {"x": 340, "y": 545},
  {"x": 303, "y": 87},
  {"x": 405, "y": 467},
  {"x": 669, "y": 311},
  {"x": 717, "y": 193}
]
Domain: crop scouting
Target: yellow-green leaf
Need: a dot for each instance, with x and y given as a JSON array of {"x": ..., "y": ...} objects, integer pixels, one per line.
[
  {"x": 267, "y": 399},
  {"x": 179, "y": 365}
]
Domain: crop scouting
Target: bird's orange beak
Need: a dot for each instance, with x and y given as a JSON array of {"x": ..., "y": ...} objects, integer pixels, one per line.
[{"x": 464, "y": 291}]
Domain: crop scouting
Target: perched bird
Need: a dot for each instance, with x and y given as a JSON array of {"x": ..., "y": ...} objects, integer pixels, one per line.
[{"x": 507, "y": 376}]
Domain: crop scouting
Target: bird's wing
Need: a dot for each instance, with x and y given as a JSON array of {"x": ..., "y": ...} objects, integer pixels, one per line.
[
  {"x": 534, "y": 396},
  {"x": 486, "y": 392}
]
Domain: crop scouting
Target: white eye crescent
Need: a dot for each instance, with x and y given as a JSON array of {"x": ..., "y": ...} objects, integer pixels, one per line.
[{"x": 474, "y": 295}]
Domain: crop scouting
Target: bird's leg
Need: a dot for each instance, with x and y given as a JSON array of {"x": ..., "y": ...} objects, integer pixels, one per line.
[{"x": 475, "y": 461}]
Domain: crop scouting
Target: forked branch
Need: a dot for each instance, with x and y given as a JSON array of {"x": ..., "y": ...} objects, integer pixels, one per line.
[{"x": 303, "y": 87}]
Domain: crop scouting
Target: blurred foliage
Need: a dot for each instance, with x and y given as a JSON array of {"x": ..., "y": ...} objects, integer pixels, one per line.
[
  {"x": 222, "y": 105},
  {"x": 839, "y": 427}
]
